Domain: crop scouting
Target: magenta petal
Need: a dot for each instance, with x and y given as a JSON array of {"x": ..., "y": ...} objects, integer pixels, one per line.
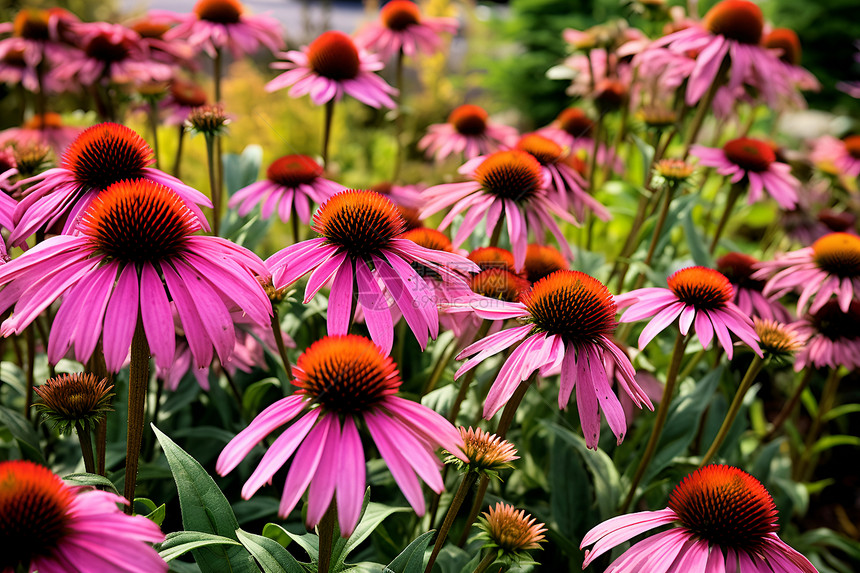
[
  {"x": 350, "y": 478},
  {"x": 213, "y": 313},
  {"x": 304, "y": 466},
  {"x": 157, "y": 316},
  {"x": 568, "y": 377},
  {"x": 377, "y": 315},
  {"x": 121, "y": 319},
  {"x": 340, "y": 300},
  {"x": 400, "y": 470},
  {"x": 195, "y": 333},
  {"x": 322, "y": 486},
  {"x": 586, "y": 398}
]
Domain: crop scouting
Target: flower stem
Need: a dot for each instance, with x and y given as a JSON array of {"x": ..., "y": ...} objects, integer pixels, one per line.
[
  {"x": 789, "y": 406},
  {"x": 485, "y": 563},
  {"x": 734, "y": 193},
  {"x": 325, "y": 530},
  {"x": 511, "y": 407},
  {"x": 279, "y": 341},
  {"x": 138, "y": 380},
  {"x": 753, "y": 370},
  {"x": 828, "y": 398},
  {"x": 441, "y": 365},
  {"x": 294, "y": 221},
  {"x": 86, "y": 447},
  {"x": 152, "y": 116},
  {"x": 329, "y": 114},
  {"x": 470, "y": 376},
  {"x": 655, "y": 239},
  {"x": 662, "y": 414},
  {"x": 469, "y": 479},
  {"x": 177, "y": 161},
  {"x": 704, "y": 108},
  {"x": 30, "y": 337},
  {"x": 213, "y": 183},
  {"x": 476, "y": 508},
  {"x": 398, "y": 120},
  {"x": 101, "y": 445}
]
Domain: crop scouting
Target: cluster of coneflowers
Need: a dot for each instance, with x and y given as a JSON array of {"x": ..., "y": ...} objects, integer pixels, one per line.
[{"x": 117, "y": 264}]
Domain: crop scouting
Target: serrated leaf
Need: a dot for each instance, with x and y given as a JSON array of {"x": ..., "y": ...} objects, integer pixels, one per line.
[
  {"x": 271, "y": 556},
  {"x": 24, "y": 435},
  {"x": 205, "y": 509},
  {"x": 411, "y": 559},
  {"x": 90, "y": 479},
  {"x": 181, "y": 542}
]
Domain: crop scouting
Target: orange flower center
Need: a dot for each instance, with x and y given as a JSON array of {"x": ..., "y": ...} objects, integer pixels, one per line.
[
  {"x": 725, "y": 506},
  {"x": 837, "y": 220},
  {"x": 347, "y": 374},
  {"x": 398, "y": 15},
  {"x": 469, "y": 120},
  {"x": 219, "y": 11},
  {"x": 293, "y": 170},
  {"x": 609, "y": 94},
  {"x": 738, "y": 268},
  {"x": 750, "y": 154},
  {"x": 31, "y": 24},
  {"x": 360, "y": 222},
  {"x": 787, "y": 41},
  {"x": 737, "y": 20},
  {"x": 499, "y": 284},
  {"x": 49, "y": 120},
  {"x": 573, "y": 305},
  {"x": 106, "y": 153},
  {"x": 838, "y": 254},
  {"x": 333, "y": 55},
  {"x": 510, "y": 174},
  {"x": 429, "y": 239},
  {"x": 150, "y": 29},
  {"x": 701, "y": 287},
  {"x": 34, "y": 504},
  {"x": 852, "y": 145},
  {"x": 544, "y": 149},
  {"x": 512, "y": 531},
  {"x": 492, "y": 258},
  {"x": 542, "y": 261},
  {"x": 834, "y": 324},
  {"x": 105, "y": 49},
  {"x": 187, "y": 93},
  {"x": 574, "y": 121},
  {"x": 139, "y": 221}
]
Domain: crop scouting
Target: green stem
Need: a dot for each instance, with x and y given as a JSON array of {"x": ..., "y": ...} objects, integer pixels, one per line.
[
  {"x": 734, "y": 193},
  {"x": 213, "y": 183},
  {"x": 29, "y": 335},
  {"x": 138, "y": 381},
  {"x": 476, "y": 508},
  {"x": 753, "y": 370},
  {"x": 216, "y": 73},
  {"x": 470, "y": 376},
  {"x": 279, "y": 341},
  {"x": 485, "y": 563},
  {"x": 398, "y": 120},
  {"x": 704, "y": 108},
  {"x": 294, "y": 221},
  {"x": 828, "y": 398},
  {"x": 662, "y": 414},
  {"x": 441, "y": 365},
  {"x": 468, "y": 480},
  {"x": 325, "y": 530},
  {"x": 101, "y": 445},
  {"x": 152, "y": 115},
  {"x": 177, "y": 161},
  {"x": 658, "y": 230},
  {"x": 789, "y": 406},
  {"x": 86, "y": 447},
  {"x": 511, "y": 407},
  {"x": 329, "y": 114}
]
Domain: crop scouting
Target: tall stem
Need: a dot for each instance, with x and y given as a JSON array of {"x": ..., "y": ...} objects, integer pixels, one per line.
[
  {"x": 485, "y": 563},
  {"x": 734, "y": 193},
  {"x": 213, "y": 183},
  {"x": 828, "y": 398},
  {"x": 789, "y": 406},
  {"x": 704, "y": 108},
  {"x": 152, "y": 116},
  {"x": 473, "y": 512},
  {"x": 469, "y": 479},
  {"x": 101, "y": 445},
  {"x": 655, "y": 239},
  {"x": 329, "y": 114},
  {"x": 662, "y": 414},
  {"x": 398, "y": 120},
  {"x": 279, "y": 341},
  {"x": 86, "y": 447},
  {"x": 30, "y": 336},
  {"x": 441, "y": 365},
  {"x": 138, "y": 381},
  {"x": 177, "y": 161},
  {"x": 749, "y": 377},
  {"x": 325, "y": 531}
]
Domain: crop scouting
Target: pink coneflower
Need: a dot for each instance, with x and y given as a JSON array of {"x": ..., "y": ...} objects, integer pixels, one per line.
[
  {"x": 360, "y": 229},
  {"x": 787, "y": 42},
  {"x": 48, "y": 526},
  {"x": 401, "y": 26},
  {"x": 331, "y": 66},
  {"x": 46, "y": 129},
  {"x": 569, "y": 318},
  {"x": 404, "y": 196},
  {"x": 509, "y": 184},
  {"x": 731, "y": 29},
  {"x": 101, "y": 156},
  {"x": 752, "y": 161},
  {"x": 739, "y": 269},
  {"x": 834, "y": 337},
  {"x": 182, "y": 98},
  {"x": 828, "y": 268},
  {"x": 572, "y": 124},
  {"x": 153, "y": 32},
  {"x": 468, "y": 131},
  {"x": 493, "y": 258},
  {"x": 696, "y": 295},
  {"x": 841, "y": 155},
  {"x": 344, "y": 378},
  {"x": 291, "y": 183},
  {"x": 726, "y": 521},
  {"x": 542, "y": 261},
  {"x": 218, "y": 24},
  {"x": 8, "y": 170},
  {"x": 132, "y": 236},
  {"x": 113, "y": 53},
  {"x": 568, "y": 184},
  {"x": 35, "y": 48}
]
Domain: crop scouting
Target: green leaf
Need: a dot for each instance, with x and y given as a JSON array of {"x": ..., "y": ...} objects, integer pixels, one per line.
[
  {"x": 256, "y": 391},
  {"x": 647, "y": 152},
  {"x": 181, "y": 542},
  {"x": 156, "y": 514},
  {"x": 411, "y": 559},
  {"x": 271, "y": 556},
  {"x": 91, "y": 479},
  {"x": 373, "y": 515},
  {"x": 569, "y": 505},
  {"x": 205, "y": 509},
  {"x": 24, "y": 435},
  {"x": 694, "y": 239},
  {"x": 241, "y": 170},
  {"x": 840, "y": 411},
  {"x": 828, "y": 442}
]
